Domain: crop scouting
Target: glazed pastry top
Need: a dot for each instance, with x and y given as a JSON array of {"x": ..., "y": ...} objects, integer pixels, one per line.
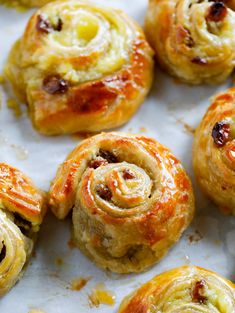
[
  {"x": 131, "y": 200},
  {"x": 184, "y": 289},
  {"x": 159, "y": 178},
  {"x": 193, "y": 40},
  {"x": 19, "y": 195},
  {"x": 22, "y": 207},
  {"x": 214, "y": 151},
  {"x": 80, "y": 67}
]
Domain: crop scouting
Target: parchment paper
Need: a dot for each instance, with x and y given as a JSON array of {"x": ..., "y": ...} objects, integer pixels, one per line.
[{"x": 166, "y": 115}]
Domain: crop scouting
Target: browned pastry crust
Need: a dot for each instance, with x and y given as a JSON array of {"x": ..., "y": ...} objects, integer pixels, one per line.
[
  {"x": 214, "y": 151},
  {"x": 130, "y": 196},
  {"x": 183, "y": 290},
  {"x": 80, "y": 67},
  {"x": 22, "y": 207},
  {"x": 193, "y": 40}
]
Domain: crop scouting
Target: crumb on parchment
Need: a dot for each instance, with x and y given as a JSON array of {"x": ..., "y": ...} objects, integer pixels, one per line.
[
  {"x": 78, "y": 283},
  {"x": 100, "y": 295},
  {"x": 195, "y": 237}
]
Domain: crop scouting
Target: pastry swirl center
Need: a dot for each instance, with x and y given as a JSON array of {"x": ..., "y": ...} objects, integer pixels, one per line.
[{"x": 125, "y": 185}]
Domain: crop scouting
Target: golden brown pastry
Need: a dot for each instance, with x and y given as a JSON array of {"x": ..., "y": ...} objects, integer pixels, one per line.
[
  {"x": 187, "y": 289},
  {"x": 80, "y": 67},
  {"x": 131, "y": 200},
  {"x": 22, "y": 207},
  {"x": 24, "y": 3},
  {"x": 194, "y": 40},
  {"x": 214, "y": 151}
]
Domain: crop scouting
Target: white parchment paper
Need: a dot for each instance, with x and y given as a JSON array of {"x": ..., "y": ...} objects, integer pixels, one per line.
[{"x": 164, "y": 115}]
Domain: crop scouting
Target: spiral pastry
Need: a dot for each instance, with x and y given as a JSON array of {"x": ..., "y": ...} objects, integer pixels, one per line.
[
  {"x": 130, "y": 196},
  {"x": 214, "y": 151},
  {"x": 22, "y": 207},
  {"x": 194, "y": 40},
  {"x": 183, "y": 290},
  {"x": 80, "y": 67}
]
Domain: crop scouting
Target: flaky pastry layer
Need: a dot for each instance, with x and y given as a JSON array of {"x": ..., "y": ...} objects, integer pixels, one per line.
[
  {"x": 131, "y": 200},
  {"x": 80, "y": 67},
  {"x": 182, "y": 290},
  {"x": 22, "y": 207},
  {"x": 214, "y": 151},
  {"x": 193, "y": 40}
]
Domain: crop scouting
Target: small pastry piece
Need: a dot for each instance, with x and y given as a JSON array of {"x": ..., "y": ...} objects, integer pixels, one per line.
[
  {"x": 193, "y": 40},
  {"x": 183, "y": 290},
  {"x": 214, "y": 151},
  {"x": 80, "y": 67},
  {"x": 22, "y": 207},
  {"x": 131, "y": 200}
]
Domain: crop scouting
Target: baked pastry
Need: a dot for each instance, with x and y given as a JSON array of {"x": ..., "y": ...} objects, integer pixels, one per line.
[
  {"x": 80, "y": 67},
  {"x": 184, "y": 289},
  {"x": 24, "y": 3},
  {"x": 194, "y": 40},
  {"x": 214, "y": 151},
  {"x": 22, "y": 207},
  {"x": 131, "y": 200}
]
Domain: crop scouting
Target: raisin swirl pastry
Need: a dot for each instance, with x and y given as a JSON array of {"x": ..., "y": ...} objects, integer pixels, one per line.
[
  {"x": 194, "y": 40},
  {"x": 214, "y": 151},
  {"x": 22, "y": 207},
  {"x": 183, "y": 290},
  {"x": 131, "y": 200},
  {"x": 80, "y": 67}
]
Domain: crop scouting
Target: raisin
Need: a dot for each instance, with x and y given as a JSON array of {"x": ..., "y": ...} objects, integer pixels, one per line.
[
  {"x": 127, "y": 174},
  {"x": 97, "y": 163},
  {"x": 104, "y": 192},
  {"x": 199, "y": 61},
  {"x": 189, "y": 42},
  {"x": 43, "y": 25},
  {"x": 217, "y": 12},
  {"x": 3, "y": 252},
  {"x": 220, "y": 133},
  {"x": 54, "y": 84},
  {"x": 197, "y": 292},
  {"x": 24, "y": 225},
  {"x": 109, "y": 156},
  {"x": 59, "y": 25}
]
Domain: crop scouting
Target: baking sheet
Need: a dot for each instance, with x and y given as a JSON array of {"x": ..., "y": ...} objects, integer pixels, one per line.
[{"x": 168, "y": 114}]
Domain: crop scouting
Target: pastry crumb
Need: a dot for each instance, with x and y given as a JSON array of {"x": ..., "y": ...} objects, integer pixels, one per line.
[
  {"x": 71, "y": 244},
  {"x": 78, "y": 283},
  {"x": 100, "y": 295},
  {"x": 36, "y": 311},
  {"x": 187, "y": 128},
  {"x": 21, "y": 153},
  {"x": 143, "y": 130},
  {"x": 195, "y": 237}
]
